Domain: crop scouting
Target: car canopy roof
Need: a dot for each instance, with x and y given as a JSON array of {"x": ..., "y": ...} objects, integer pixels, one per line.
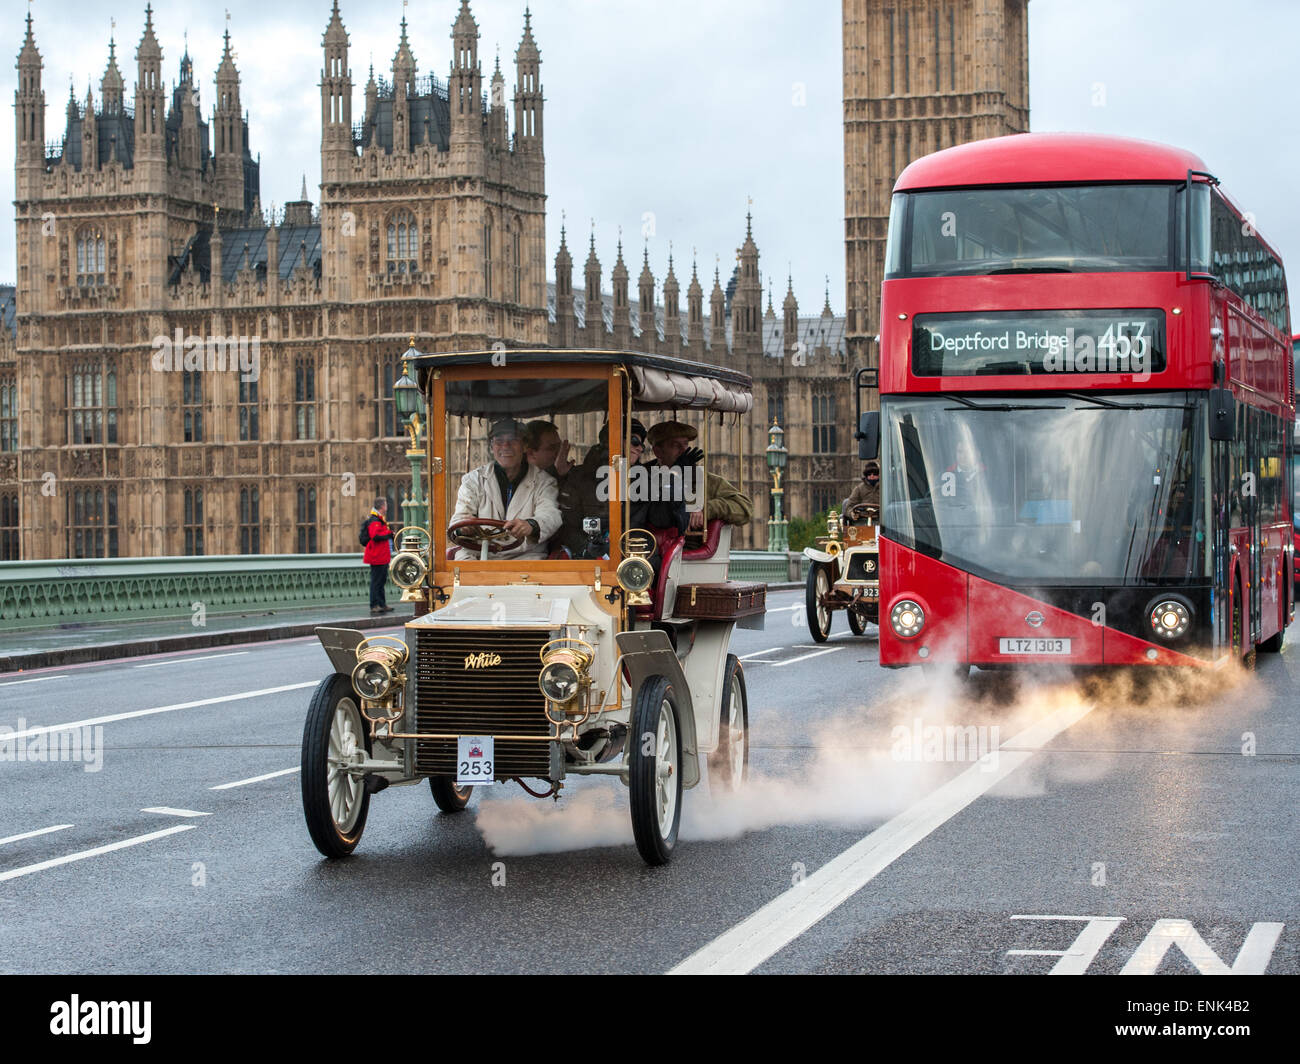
[{"x": 659, "y": 382}]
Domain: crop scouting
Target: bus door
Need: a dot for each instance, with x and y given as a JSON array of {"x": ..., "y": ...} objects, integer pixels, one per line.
[
  {"x": 1221, "y": 507},
  {"x": 1253, "y": 509}
]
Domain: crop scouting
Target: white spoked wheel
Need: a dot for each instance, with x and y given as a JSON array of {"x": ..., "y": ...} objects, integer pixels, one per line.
[
  {"x": 654, "y": 771},
  {"x": 819, "y": 614},
  {"x": 730, "y": 762},
  {"x": 334, "y": 801}
]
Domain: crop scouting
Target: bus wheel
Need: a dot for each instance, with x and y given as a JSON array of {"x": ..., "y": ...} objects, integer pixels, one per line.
[{"x": 819, "y": 614}]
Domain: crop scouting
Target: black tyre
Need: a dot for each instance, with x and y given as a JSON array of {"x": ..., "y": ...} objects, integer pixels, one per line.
[
  {"x": 449, "y": 797},
  {"x": 819, "y": 615},
  {"x": 729, "y": 764},
  {"x": 334, "y": 802},
  {"x": 857, "y": 621},
  {"x": 654, "y": 770}
]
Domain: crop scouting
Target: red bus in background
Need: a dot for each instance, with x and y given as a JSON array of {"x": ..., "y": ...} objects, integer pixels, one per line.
[{"x": 1087, "y": 407}]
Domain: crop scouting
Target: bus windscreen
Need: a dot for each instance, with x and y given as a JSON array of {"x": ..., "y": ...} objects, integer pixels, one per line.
[{"x": 1068, "y": 229}]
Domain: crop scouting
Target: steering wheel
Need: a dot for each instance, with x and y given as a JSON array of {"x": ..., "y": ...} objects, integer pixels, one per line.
[{"x": 473, "y": 533}]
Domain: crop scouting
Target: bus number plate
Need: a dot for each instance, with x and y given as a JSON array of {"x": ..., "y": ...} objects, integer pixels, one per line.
[{"x": 1033, "y": 646}]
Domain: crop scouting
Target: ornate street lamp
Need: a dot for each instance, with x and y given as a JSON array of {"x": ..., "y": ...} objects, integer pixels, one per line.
[
  {"x": 409, "y": 402},
  {"x": 777, "y": 527}
]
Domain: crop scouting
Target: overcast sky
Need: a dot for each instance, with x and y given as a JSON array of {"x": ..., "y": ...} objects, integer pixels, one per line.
[{"x": 675, "y": 112}]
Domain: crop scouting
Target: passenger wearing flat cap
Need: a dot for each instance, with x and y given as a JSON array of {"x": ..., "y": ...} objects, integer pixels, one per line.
[
  {"x": 672, "y": 441},
  {"x": 510, "y": 490},
  {"x": 584, "y": 496}
]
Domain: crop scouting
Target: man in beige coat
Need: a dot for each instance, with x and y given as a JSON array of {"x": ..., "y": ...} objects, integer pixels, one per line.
[{"x": 511, "y": 491}]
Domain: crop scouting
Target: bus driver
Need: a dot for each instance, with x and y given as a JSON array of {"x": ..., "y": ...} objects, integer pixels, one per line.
[{"x": 508, "y": 489}]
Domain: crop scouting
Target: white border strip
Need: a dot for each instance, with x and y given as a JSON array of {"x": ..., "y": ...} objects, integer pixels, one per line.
[
  {"x": 255, "y": 779},
  {"x": 33, "y": 834},
  {"x": 777, "y": 924}
]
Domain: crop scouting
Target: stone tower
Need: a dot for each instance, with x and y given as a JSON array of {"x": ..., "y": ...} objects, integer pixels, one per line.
[{"x": 918, "y": 76}]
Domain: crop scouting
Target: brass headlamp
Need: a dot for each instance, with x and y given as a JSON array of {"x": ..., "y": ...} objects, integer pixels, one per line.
[
  {"x": 409, "y": 568},
  {"x": 565, "y": 675},
  {"x": 635, "y": 574},
  {"x": 379, "y": 675}
]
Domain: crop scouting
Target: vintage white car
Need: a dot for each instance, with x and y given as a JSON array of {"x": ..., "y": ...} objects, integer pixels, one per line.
[
  {"x": 527, "y": 661},
  {"x": 844, "y": 573}
]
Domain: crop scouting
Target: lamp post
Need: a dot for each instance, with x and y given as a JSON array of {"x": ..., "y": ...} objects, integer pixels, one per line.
[
  {"x": 777, "y": 534},
  {"x": 410, "y": 407}
]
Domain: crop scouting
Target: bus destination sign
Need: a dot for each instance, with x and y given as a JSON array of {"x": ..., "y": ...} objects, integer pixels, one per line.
[{"x": 1017, "y": 343}]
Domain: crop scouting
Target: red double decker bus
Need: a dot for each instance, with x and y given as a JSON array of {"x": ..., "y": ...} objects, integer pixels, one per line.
[{"x": 1086, "y": 412}]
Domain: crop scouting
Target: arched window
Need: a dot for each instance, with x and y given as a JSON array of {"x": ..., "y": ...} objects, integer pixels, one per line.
[
  {"x": 250, "y": 534},
  {"x": 403, "y": 242},
  {"x": 90, "y": 256}
]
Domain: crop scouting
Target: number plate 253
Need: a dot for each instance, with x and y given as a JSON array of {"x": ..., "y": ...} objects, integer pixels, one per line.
[{"x": 475, "y": 760}]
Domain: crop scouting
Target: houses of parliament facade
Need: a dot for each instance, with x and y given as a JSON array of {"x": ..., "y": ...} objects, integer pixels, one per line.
[{"x": 141, "y": 236}]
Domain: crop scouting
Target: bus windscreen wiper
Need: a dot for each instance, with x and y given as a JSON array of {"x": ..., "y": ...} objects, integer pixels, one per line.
[
  {"x": 1030, "y": 269},
  {"x": 1098, "y": 401},
  {"x": 1001, "y": 408}
]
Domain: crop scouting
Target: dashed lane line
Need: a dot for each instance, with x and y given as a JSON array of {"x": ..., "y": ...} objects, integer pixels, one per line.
[
  {"x": 34, "y": 679},
  {"x": 33, "y": 834},
  {"x": 186, "y": 661},
  {"x": 55, "y": 862},
  {"x": 255, "y": 779},
  {"x": 778, "y": 923},
  {"x": 48, "y": 728},
  {"x": 167, "y": 810},
  {"x": 805, "y": 657}
]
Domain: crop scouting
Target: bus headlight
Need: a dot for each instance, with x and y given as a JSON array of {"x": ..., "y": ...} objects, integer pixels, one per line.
[
  {"x": 1169, "y": 618},
  {"x": 907, "y": 619}
]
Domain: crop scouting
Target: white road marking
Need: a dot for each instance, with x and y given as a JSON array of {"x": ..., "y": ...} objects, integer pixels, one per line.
[
  {"x": 255, "y": 779},
  {"x": 33, "y": 834},
  {"x": 785, "y": 609},
  {"x": 167, "y": 810},
  {"x": 35, "y": 679},
  {"x": 48, "y": 728},
  {"x": 805, "y": 657},
  {"x": 186, "y": 661},
  {"x": 789, "y": 915},
  {"x": 760, "y": 653},
  {"x": 27, "y": 870}
]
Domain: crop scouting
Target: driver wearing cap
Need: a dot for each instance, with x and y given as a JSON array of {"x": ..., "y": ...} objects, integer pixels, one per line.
[{"x": 511, "y": 491}]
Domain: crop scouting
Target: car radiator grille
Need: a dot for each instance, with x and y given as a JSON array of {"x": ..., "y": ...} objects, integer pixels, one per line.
[
  {"x": 857, "y": 567},
  {"x": 499, "y": 700}
]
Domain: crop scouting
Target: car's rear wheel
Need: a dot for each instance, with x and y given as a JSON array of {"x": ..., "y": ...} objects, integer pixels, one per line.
[
  {"x": 448, "y": 796},
  {"x": 819, "y": 614},
  {"x": 730, "y": 762},
  {"x": 334, "y": 801},
  {"x": 654, "y": 771}
]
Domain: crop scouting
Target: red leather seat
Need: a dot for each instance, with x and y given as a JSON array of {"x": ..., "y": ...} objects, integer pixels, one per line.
[{"x": 707, "y": 549}]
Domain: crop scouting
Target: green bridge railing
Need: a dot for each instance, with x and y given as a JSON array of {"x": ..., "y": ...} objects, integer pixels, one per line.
[{"x": 47, "y": 593}]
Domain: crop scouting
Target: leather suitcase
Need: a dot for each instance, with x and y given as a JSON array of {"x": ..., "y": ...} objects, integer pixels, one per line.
[{"x": 720, "y": 602}]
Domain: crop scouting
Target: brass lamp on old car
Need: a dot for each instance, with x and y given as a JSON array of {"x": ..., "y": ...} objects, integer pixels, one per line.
[{"x": 530, "y": 659}]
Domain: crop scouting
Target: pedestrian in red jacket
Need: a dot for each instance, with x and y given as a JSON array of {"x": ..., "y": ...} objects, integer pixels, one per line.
[{"x": 379, "y": 552}]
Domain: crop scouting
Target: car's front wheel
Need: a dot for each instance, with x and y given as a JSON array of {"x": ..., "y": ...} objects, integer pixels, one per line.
[
  {"x": 447, "y": 795},
  {"x": 334, "y": 800},
  {"x": 819, "y": 614},
  {"x": 857, "y": 621},
  {"x": 655, "y": 771}
]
